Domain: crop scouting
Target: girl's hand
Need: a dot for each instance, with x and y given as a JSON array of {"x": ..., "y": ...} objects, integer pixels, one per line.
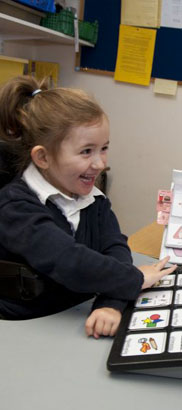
[
  {"x": 103, "y": 322},
  {"x": 153, "y": 273}
]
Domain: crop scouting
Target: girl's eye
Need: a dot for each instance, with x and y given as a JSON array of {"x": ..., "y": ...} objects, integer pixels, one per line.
[
  {"x": 105, "y": 148},
  {"x": 86, "y": 151}
]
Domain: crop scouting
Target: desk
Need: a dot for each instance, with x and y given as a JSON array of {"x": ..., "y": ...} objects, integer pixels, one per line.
[
  {"x": 147, "y": 240},
  {"x": 49, "y": 364}
]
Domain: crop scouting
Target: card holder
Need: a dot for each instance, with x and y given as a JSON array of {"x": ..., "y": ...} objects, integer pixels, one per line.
[{"x": 149, "y": 338}]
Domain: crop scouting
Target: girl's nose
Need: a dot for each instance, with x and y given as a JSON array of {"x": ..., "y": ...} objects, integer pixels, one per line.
[{"x": 98, "y": 163}]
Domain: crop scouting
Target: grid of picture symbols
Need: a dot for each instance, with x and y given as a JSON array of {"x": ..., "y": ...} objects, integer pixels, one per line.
[{"x": 155, "y": 325}]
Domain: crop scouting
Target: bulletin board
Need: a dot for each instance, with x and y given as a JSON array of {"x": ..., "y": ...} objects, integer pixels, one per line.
[
  {"x": 167, "y": 61},
  {"x": 102, "y": 57}
]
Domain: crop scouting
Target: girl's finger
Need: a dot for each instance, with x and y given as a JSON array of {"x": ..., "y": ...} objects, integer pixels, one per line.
[
  {"x": 98, "y": 328},
  {"x": 89, "y": 325},
  {"x": 168, "y": 270},
  {"x": 161, "y": 264}
]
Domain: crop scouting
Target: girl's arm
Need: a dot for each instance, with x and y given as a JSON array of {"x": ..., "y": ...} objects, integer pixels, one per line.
[{"x": 28, "y": 230}]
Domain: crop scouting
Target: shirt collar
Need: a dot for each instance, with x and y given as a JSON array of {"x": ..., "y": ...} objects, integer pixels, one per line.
[{"x": 44, "y": 190}]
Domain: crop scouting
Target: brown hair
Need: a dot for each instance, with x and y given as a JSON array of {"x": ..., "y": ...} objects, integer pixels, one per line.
[{"x": 44, "y": 119}]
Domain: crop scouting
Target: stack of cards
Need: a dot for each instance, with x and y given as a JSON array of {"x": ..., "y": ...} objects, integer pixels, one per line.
[
  {"x": 172, "y": 238},
  {"x": 149, "y": 339}
]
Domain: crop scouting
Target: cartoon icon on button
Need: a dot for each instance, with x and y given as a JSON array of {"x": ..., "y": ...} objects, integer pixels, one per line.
[
  {"x": 178, "y": 233},
  {"x": 152, "y": 320},
  {"x": 147, "y": 346}
]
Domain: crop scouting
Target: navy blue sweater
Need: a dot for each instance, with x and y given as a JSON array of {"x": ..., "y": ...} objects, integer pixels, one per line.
[{"x": 97, "y": 260}]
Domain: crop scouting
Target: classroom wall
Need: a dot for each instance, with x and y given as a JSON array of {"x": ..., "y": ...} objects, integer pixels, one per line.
[{"x": 146, "y": 136}]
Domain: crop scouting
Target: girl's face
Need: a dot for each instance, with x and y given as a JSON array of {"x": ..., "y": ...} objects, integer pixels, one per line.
[{"x": 80, "y": 159}]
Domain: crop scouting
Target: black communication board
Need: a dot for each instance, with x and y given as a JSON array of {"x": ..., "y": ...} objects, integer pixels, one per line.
[{"x": 149, "y": 338}]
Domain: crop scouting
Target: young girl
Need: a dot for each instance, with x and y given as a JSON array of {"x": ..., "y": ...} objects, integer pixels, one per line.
[{"x": 53, "y": 218}]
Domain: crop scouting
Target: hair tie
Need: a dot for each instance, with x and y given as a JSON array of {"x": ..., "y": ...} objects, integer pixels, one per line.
[{"x": 36, "y": 92}]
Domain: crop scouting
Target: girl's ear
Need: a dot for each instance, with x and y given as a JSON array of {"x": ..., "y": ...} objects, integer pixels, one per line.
[{"x": 40, "y": 156}]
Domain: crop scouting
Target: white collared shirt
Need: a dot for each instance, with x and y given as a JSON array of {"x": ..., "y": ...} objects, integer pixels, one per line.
[{"x": 69, "y": 206}]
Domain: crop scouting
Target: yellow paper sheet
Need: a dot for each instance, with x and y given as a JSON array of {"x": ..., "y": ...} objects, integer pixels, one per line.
[
  {"x": 168, "y": 87},
  {"x": 140, "y": 13},
  {"x": 42, "y": 69},
  {"x": 135, "y": 55},
  {"x": 10, "y": 68}
]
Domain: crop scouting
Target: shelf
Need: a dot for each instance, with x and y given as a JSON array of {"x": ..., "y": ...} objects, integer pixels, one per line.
[
  {"x": 14, "y": 59},
  {"x": 14, "y": 29}
]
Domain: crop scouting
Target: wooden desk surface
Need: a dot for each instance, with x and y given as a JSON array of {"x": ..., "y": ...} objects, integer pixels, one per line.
[{"x": 147, "y": 240}]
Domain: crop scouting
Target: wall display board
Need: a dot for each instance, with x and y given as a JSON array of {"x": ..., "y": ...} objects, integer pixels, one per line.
[
  {"x": 167, "y": 62},
  {"x": 103, "y": 56},
  {"x": 167, "y": 56}
]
